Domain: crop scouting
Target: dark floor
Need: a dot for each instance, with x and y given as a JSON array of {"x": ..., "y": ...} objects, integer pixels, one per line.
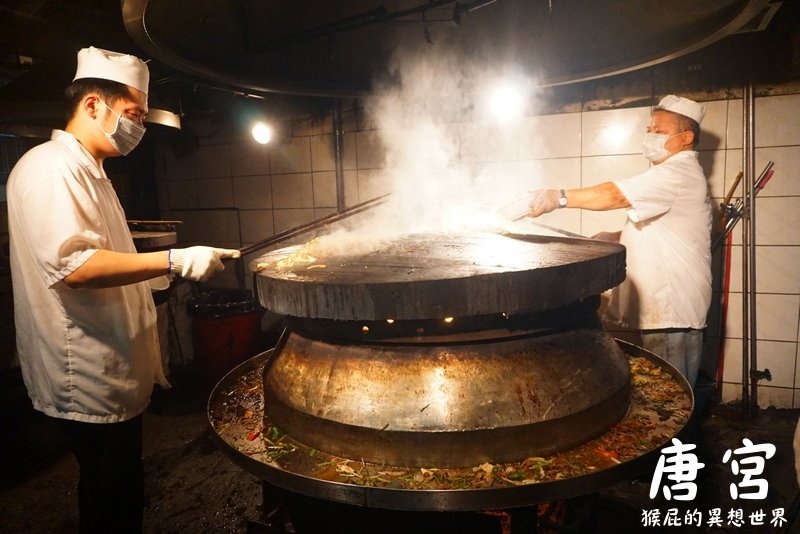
[{"x": 192, "y": 487}]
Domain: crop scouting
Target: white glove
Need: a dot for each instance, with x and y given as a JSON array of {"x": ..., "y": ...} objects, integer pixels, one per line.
[
  {"x": 542, "y": 201},
  {"x": 199, "y": 263}
]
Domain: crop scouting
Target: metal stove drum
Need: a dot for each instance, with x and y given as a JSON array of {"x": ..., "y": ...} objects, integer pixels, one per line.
[{"x": 440, "y": 351}]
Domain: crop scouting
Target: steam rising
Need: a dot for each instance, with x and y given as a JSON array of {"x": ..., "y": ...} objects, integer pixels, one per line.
[{"x": 448, "y": 166}]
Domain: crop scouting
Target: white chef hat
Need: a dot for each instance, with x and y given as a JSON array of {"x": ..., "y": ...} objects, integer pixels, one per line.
[
  {"x": 683, "y": 106},
  {"x": 106, "y": 65}
]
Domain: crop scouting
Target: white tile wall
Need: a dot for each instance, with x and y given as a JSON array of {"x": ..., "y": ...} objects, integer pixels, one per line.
[
  {"x": 778, "y": 357},
  {"x": 324, "y": 189},
  {"x": 319, "y": 213},
  {"x": 776, "y": 268},
  {"x": 292, "y": 190},
  {"x": 182, "y": 194},
  {"x": 248, "y": 159},
  {"x": 350, "y": 188},
  {"x": 733, "y": 134},
  {"x": 215, "y": 193},
  {"x": 170, "y": 167},
  {"x": 369, "y": 151},
  {"x": 372, "y": 183},
  {"x": 617, "y": 131},
  {"x": 349, "y": 160},
  {"x": 777, "y": 220},
  {"x": 784, "y": 181},
  {"x": 713, "y": 163},
  {"x": 536, "y": 139},
  {"x": 256, "y": 225},
  {"x": 291, "y": 156},
  {"x": 219, "y": 228},
  {"x": 252, "y": 192},
  {"x": 483, "y": 141},
  {"x": 767, "y": 395},
  {"x": 715, "y": 125},
  {"x": 213, "y": 161},
  {"x": 777, "y": 120},
  {"x": 777, "y": 316},
  {"x": 554, "y": 173},
  {"x": 322, "y": 154},
  {"x": 772, "y": 396},
  {"x": 598, "y": 169},
  {"x": 286, "y": 219}
]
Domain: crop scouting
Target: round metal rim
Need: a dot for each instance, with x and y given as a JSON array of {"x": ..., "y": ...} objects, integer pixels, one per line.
[{"x": 512, "y": 291}]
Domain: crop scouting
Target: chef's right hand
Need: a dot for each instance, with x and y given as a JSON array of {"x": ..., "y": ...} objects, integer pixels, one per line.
[
  {"x": 542, "y": 201},
  {"x": 199, "y": 263}
]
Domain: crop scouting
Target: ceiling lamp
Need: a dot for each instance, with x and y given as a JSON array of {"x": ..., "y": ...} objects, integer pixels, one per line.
[
  {"x": 262, "y": 132},
  {"x": 163, "y": 117}
]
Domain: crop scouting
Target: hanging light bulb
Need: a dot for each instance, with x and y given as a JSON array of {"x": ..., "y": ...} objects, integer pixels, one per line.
[
  {"x": 506, "y": 102},
  {"x": 262, "y": 133}
]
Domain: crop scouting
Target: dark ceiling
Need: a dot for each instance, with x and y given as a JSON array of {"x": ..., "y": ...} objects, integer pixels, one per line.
[
  {"x": 207, "y": 55},
  {"x": 340, "y": 47}
]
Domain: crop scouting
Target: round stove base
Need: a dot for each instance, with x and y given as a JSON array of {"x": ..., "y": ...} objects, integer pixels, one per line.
[
  {"x": 457, "y": 404},
  {"x": 661, "y": 403}
]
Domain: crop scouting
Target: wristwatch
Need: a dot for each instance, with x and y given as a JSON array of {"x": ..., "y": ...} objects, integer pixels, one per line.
[{"x": 562, "y": 199}]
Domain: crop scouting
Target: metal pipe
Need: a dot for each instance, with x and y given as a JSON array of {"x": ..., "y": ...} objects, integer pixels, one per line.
[
  {"x": 239, "y": 269},
  {"x": 746, "y": 220},
  {"x": 338, "y": 141},
  {"x": 753, "y": 184}
]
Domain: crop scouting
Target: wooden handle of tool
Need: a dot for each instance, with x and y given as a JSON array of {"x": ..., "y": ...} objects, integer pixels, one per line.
[{"x": 733, "y": 188}]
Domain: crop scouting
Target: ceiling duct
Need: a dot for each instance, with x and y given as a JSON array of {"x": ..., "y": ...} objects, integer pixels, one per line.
[
  {"x": 340, "y": 48},
  {"x": 761, "y": 21}
]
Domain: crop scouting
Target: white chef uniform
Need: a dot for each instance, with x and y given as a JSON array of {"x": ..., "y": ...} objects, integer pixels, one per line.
[
  {"x": 89, "y": 355},
  {"x": 667, "y": 236}
]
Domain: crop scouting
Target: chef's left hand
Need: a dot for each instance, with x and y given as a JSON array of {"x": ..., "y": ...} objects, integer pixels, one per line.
[{"x": 543, "y": 201}]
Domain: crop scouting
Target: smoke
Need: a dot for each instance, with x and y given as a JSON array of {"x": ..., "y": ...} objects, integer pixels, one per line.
[{"x": 447, "y": 165}]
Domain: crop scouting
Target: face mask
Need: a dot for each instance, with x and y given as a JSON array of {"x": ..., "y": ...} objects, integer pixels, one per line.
[
  {"x": 126, "y": 134},
  {"x": 653, "y": 145}
]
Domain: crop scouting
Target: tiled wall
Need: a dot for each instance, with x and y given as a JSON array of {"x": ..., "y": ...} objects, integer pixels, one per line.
[
  {"x": 232, "y": 192},
  {"x": 778, "y": 279},
  {"x": 777, "y": 254}
]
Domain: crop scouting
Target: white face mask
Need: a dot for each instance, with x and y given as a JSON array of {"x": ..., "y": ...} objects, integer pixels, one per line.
[
  {"x": 126, "y": 135},
  {"x": 654, "y": 145}
]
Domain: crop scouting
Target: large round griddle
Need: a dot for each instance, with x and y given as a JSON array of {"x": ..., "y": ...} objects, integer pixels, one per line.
[
  {"x": 433, "y": 276},
  {"x": 444, "y": 351},
  {"x": 451, "y": 349}
]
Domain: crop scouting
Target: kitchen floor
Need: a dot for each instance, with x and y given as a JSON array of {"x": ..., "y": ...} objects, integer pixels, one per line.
[{"x": 192, "y": 487}]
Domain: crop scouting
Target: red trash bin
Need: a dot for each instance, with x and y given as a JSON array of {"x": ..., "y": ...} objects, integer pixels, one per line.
[{"x": 226, "y": 330}]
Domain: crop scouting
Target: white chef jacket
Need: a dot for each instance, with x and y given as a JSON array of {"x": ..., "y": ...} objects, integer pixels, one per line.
[
  {"x": 88, "y": 355},
  {"x": 667, "y": 237}
]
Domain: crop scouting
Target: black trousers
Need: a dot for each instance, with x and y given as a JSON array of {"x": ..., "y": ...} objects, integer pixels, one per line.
[{"x": 111, "y": 486}]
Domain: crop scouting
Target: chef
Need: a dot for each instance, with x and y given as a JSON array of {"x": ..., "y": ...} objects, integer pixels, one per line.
[
  {"x": 83, "y": 309},
  {"x": 667, "y": 291}
]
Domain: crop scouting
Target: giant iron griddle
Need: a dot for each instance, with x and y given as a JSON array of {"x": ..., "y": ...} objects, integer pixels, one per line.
[{"x": 440, "y": 351}]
